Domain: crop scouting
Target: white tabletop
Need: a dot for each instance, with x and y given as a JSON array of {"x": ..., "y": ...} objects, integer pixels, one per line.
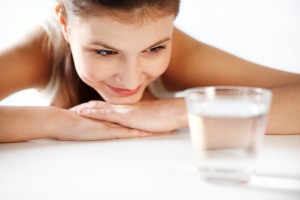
[{"x": 157, "y": 167}]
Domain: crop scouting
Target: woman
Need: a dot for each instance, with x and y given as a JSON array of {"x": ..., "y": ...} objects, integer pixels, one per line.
[{"x": 107, "y": 53}]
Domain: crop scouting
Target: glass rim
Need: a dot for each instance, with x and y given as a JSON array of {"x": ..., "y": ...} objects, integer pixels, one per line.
[{"x": 258, "y": 90}]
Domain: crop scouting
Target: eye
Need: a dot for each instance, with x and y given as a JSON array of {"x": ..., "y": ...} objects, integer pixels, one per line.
[
  {"x": 105, "y": 53},
  {"x": 156, "y": 49}
]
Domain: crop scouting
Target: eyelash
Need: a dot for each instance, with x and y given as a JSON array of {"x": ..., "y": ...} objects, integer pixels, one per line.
[
  {"x": 156, "y": 50},
  {"x": 108, "y": 53},
  {"x": 105, "y": 53}
]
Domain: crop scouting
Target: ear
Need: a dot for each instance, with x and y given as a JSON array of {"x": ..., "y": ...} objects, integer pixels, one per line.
[{"x": 62, "y": 19}]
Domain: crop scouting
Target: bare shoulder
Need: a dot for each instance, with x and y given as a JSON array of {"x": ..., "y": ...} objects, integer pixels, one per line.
[
  {"x": 182, "y": 43},
  {"x": 194, "y": 63},
  {"x": 26, "y": 63}
]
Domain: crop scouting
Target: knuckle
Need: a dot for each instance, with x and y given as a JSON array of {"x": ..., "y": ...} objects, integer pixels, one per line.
[{"x": 95, "y": 104}]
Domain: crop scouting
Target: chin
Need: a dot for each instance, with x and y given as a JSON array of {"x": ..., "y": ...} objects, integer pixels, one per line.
[{"x": 123, "y": 100}]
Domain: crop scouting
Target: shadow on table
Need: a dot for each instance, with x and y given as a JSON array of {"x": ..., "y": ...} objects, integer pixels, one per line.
[
  {"x": 280, "y": 182},
  {"x": 43, "y": 144},
  {"x": 270, "y": 183}
]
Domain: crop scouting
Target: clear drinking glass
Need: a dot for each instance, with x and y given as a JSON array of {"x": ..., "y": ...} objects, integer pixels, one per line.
[{"x": 227, "y": 126}]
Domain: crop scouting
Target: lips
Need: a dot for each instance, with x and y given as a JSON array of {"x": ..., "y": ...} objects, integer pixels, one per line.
[{"x": 124, "y": 92}]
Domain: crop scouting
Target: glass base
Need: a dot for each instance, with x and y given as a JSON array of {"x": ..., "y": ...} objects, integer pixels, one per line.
[{"x": 225, "y": 175}]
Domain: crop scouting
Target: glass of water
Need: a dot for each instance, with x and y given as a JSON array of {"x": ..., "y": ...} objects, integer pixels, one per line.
[{"x": 227, "y": 126}]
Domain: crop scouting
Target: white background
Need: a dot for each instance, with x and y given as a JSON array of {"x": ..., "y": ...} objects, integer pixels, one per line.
[{"x": 262, "y": 31}]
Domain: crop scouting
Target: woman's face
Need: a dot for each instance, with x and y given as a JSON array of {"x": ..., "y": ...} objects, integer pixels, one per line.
[{"x": 120, "y": 59}]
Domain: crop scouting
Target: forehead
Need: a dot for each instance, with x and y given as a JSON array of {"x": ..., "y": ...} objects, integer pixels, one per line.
[
  {"x": 127, "y": 14},
  {"x": 120, "y": 34}
]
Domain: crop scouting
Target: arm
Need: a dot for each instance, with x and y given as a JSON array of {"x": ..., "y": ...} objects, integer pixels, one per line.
[
  {"x": 27, "y": 123},
  {"x": 284, "y": 116},
  {"x": 155, "y": 116},
  {"x": 196, "y": 64},
  {"x": 25, "y": 64}
]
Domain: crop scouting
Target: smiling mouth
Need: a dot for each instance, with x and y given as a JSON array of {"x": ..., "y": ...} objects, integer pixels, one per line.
[{"x": 124, "y": 92}]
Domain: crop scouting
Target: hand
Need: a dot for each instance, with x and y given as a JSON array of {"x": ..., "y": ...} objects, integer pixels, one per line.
[
  {"x": 23, "y": 123},
  {"x": 154, "y": 116},
  {"x": 83, "y": 129}
]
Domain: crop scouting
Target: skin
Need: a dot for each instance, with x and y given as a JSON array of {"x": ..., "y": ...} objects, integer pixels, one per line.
[
  {"x": 122, "y": 79},
  {"x": 120, "y": 62}
]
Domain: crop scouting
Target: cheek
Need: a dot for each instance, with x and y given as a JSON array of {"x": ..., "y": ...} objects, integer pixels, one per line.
[
  {"x": 89, "y": 66},
  {"x": 159, "y": 65}
]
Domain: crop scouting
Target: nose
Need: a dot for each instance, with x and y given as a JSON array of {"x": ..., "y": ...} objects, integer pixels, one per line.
[{"x": 130, "y": 75}]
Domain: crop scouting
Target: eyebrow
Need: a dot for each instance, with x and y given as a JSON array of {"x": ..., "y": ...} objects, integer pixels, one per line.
[{"x": 103, "y": 44}]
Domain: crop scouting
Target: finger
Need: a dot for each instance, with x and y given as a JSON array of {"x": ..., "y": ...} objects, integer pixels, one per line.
[
  {"x": 111, "y": 133},
  {"x": 90, "y": 104},
  {"x": 101, "y": 114},
  {"x": 123, "y": 132},
  {"x": 118, "y": 132}
]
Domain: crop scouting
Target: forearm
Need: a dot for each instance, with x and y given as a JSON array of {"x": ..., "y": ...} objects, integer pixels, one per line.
[
  {"x": 27, "y": 123},
  {"x": 175, "y": 108},
  {"x": 156, "y": 116},
  {"x": 284, "y": 117},
  {"x": 180, "y": 113}
]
